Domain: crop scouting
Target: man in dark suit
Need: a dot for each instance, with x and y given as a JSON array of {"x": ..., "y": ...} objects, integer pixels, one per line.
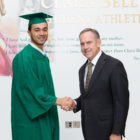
[{"x": 104, "y": 98}]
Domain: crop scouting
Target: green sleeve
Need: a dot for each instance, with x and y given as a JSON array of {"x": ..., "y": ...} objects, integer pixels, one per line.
[{"x": 30, "y": 89}]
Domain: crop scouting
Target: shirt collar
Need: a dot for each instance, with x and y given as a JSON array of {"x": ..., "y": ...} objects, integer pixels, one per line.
[
  {"x": 96, "y": 58},
  {"x": 35, "y": 47}
]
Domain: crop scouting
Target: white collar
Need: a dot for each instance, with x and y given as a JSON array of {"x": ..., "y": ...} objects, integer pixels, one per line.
[
  {"x": 35, "y": 47},
  {"x": 96, "y": 58}
]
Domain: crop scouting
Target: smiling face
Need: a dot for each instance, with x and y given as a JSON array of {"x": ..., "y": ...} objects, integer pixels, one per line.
[
  {"x": 90, "y": 45},
  {"x": 39, "y": 34}
]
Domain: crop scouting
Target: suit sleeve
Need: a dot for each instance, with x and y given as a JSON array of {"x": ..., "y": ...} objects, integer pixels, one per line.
[
  {"x": 30, "y": 90},
  {"x": 78, "y": 106},
  {"x": 78, "y": 100},
  {"x": 120, "y": 93}
]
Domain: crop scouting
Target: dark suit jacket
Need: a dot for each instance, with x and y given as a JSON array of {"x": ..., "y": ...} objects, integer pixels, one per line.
[{"x": 104, "y": 107}]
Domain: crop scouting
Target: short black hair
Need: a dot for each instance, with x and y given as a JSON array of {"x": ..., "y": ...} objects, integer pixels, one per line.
[{"x": 29, "y": 28}]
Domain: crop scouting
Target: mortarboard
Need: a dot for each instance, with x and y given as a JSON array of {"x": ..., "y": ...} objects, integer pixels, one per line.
[{"x": 36, "y": 18}]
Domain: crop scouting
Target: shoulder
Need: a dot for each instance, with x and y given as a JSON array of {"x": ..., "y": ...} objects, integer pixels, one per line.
[
  {"x": 112, "y": 60},
  {"x": 114, "y": 64},
  {"x": 24, "y": 54}
]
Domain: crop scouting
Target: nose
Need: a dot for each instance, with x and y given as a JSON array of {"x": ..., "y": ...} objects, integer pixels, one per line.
[
  {"x": 85, "y": 46},
  {"x": 41, "y": 32}
]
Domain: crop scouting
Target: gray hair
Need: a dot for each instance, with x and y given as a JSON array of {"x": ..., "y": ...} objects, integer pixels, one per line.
[{"x": 95, "y": 32}]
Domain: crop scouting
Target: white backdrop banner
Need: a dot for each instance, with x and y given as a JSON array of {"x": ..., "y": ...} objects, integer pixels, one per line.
[{"x": 118, "y": 22}]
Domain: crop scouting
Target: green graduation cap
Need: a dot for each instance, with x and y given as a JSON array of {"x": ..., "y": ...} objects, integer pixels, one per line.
[{"x": 36, "y": 18}]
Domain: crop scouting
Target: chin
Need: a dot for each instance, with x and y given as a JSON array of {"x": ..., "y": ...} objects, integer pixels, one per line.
[
  {"x": 88, "y": 57},
  {"x": 41, "y": 43}
]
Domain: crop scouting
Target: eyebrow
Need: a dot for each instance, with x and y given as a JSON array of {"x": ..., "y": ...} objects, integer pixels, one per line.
[
  {"x": 86, "y": 42},
  {"x": 37, "y": 28}
]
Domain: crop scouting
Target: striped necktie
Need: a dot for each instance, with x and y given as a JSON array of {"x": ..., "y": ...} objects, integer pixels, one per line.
[{"x": 89, "y": 74}]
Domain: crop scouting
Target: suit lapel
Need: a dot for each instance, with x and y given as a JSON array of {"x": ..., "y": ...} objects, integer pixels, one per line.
[
  {"x": 97, "y": 70},
  {"x": 82, "y": 74}
]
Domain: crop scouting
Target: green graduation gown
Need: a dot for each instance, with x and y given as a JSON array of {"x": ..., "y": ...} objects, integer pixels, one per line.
[{"x": 33, "y": 113}]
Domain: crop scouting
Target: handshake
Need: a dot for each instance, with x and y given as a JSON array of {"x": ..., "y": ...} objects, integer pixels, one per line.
[{"x": 66, "y": 103}]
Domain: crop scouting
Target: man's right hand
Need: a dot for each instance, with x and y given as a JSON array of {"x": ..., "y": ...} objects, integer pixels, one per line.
[
  {"x": 71, "y": 107},
  {"x": 66, "y": 103}
]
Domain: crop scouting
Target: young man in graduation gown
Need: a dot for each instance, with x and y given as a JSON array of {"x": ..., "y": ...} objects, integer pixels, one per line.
[{"x": 33, "y": 107}]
